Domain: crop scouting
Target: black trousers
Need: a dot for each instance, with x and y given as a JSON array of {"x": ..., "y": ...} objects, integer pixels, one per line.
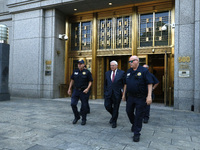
[
  {"x": 112, "y": 106},
  {"x": 135, "y": 111},
  {"x": 147, "y": 108},
  {"x": 76, "y": 95}
]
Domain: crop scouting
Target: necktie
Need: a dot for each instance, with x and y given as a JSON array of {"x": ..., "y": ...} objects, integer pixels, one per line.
[{"x": 113, "y": 76}]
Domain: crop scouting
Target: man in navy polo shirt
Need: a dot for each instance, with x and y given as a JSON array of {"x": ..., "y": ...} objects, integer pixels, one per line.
[
  {"x": 147, "y": 107},
  {"x": 138, "y": 87},
  {"x": 82, "y": 80}
]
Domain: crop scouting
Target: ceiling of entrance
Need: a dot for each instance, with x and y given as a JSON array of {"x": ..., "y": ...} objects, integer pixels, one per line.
[{"x": 89, "y": 5}]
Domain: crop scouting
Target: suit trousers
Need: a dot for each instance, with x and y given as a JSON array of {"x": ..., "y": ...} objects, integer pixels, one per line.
[
  {"x": 112, "y": 106},
  {"x": 76, "y": 95},
  {"x": 135, "y": 111}
]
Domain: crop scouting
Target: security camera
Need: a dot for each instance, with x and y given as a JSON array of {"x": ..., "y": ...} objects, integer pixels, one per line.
[{"x": 63, "y": 37}]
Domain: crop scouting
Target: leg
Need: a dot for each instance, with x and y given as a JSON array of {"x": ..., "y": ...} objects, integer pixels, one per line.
[
  {"x": 74, "y": 102},
  {"x": 130, "y": 106},
  {"x": 140, "y": 104},
  {"x": 116, "y": 108},
  {"x": 84, "y": 105},
  {"x": 146, "y": 113},
  {"x": 88, "y": 107},
  {"x": 108, "y": 105}
]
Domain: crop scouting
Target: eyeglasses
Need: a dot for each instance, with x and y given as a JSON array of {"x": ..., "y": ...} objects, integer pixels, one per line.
[{"x": 131, "y": 61}]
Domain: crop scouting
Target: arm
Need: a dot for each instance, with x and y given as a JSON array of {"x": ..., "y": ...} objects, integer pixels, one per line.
[
  {"x": 149, "y": 99},
  {"x": 155, "y": 85},
  {"x": 124, "y": 93},
  {"x": 88, "y": 88},
  {"x": 70, "y": 87}
]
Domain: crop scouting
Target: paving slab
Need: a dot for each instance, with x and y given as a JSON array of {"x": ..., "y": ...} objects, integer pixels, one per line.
[{"x": 46, "y": 124}]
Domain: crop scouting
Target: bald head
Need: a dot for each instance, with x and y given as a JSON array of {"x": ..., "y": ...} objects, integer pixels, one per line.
[
  {"x": 134, "y": 62},
  {"x": 134, "y": 57}
]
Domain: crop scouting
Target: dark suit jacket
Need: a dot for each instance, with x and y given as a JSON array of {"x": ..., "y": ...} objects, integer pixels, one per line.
[{"x": 115, "y": 87}]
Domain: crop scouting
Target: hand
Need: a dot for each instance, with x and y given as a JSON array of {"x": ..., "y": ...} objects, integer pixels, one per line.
[
  {"x": 148, "y": 100},
  {"x": 85, "y": 91},
  {"x": 69, "y": 92}
]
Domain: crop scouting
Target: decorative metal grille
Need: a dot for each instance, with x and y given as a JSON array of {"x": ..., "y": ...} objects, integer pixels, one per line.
[
  {"x": 75, "y": 36},
  {"x": 151, "y": 33},
  {"x": 81, "y": 37},
  {"x": 105, "y": 34},
  {"x": 86, "y": 35},
  {"x": 146, "y": 30},
  {"x": 123, "y": 28},
  {"x": 161, "y": 36}
]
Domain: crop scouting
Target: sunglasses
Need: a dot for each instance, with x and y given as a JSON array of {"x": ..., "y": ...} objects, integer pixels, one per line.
[{"x": 131, "y": 61}]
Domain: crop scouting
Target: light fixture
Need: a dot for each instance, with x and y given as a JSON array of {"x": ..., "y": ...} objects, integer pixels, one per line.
[
  {"x": 63, "y": 37},
  {"x": 110, "y": 4},
  {"x": 75, "y": 9},
  {"x": 164, "y": 27}
]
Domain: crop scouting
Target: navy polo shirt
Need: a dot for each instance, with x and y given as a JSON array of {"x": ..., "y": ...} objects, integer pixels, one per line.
[
  {"x": 81, "y": 78},
  {"x": 138, "y": 80}
]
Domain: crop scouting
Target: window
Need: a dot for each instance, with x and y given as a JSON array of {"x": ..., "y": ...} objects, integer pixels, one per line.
[
  {"x": 146, "y": 30},
  {"x": 114, "y": 33},
  {"x": 161, "y": 36},
  {"x": 105, "y": 34},
  {"x": 150, "y": 29},
  {"x": 75, "y": 36},
  {"x": 81, "y": 36},
  {"x": 123, "y": 28}
]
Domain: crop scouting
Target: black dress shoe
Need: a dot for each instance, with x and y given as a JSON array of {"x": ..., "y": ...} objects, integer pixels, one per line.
[
  {"x": 114, "y": 125},
  {"x": 136, "y": 138},
  {"x": 75, "y": 120},
  {"x": 132, "y": 128},
  {"x": 111, "y": 121},
  {"x": 83, "y": 122},
  {"x": 145, "y": 120}
]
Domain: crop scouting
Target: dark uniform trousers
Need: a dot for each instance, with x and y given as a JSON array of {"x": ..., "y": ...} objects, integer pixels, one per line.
[
  {"x": 76, "y": 95},
  {"x": 135, "y": 111},
  {"x": 112, "y": 106},
  {"x": 147, "y": 108}
]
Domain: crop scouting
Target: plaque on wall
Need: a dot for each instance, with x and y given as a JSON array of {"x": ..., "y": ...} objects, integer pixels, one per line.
[{"x": 184, "y": 73}]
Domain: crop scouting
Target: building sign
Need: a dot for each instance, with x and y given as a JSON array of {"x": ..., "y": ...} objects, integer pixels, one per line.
[
  {"x": 184, "y": 71},
  {"x": 184, "y": 59}
]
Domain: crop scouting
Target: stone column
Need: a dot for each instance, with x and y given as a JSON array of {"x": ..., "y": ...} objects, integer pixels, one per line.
[{"x": 184, "y": 54}]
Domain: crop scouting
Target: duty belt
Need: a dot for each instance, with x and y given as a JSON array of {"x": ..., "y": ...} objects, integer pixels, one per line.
[
  {"x": 80, "y": 89},
  {"x": 136, "y": 95}
]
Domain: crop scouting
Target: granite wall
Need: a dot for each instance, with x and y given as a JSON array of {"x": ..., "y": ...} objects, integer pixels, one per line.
[{"x": 186, "y": 88}]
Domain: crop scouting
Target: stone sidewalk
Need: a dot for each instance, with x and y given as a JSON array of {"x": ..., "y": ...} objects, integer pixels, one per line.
[{"x": 42, "y": 124}]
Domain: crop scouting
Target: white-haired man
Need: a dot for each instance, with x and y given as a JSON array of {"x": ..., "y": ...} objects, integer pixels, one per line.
[{"x": 113, "y": 88}]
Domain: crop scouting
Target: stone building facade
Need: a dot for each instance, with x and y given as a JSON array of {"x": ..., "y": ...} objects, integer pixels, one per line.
[{"x": 41, "y": 63}]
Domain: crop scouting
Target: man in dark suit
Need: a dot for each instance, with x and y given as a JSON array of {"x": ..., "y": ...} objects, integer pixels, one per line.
[{"x": 113, "y": 88}]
